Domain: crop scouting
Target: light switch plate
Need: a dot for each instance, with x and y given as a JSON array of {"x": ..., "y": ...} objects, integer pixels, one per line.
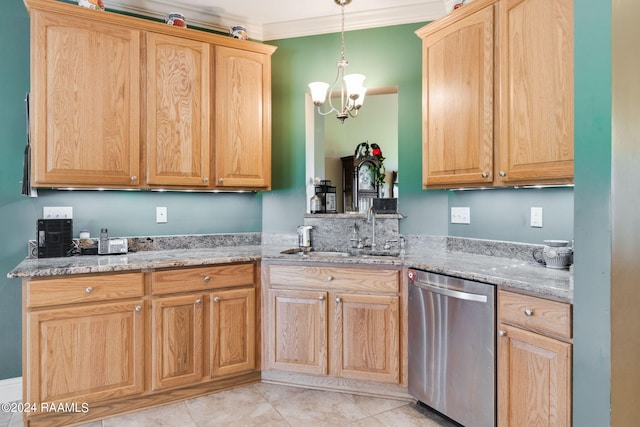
[
  {"x": 461, "y": 215},
  {"x": 60, "y": 212},
  {"x": 161, "y": 214},
  {"x": 536, "y": 217}
]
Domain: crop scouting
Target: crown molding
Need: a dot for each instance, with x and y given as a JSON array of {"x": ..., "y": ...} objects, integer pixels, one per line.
[{"x": 216, "y": 20}]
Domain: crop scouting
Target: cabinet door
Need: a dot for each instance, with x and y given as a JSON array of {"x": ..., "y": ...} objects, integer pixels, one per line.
[
  {"x": 85, "y": 353},
  {"x": 178, "y": 111},
  {"x": 298, "y": 331},
  {"x": 534, "y": 379},
  {"x": 233, "y": 325},
  {"x": 85, "y": 82},
  {"x": 177, "y": 334},
  {"x": 366, "y": 344},
  {"x": 536, "y": 87},
  {"x": 458, "y": 102},
  {"x": 243, "y": 119}
]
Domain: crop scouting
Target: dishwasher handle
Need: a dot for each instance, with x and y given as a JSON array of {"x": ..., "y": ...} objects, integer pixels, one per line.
[{"x": 467, "y": 296}]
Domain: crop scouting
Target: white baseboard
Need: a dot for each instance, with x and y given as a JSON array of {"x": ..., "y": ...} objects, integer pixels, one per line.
[{"x": 11, "y": 389}]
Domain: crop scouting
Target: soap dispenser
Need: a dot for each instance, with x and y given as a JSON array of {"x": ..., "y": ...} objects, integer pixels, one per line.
[{"x": 304, "y": 236}]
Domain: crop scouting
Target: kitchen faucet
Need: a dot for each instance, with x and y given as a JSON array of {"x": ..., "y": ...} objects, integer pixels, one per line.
[{"x": 371, "y": 217}]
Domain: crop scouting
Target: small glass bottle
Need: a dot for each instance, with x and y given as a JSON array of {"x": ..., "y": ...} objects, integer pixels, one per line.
[{"x": 315, "y": 204}]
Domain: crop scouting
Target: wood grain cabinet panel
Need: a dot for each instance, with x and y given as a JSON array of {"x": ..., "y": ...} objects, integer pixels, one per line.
[
  {"x": 298, "y": 331},
  {"x": 243, "y": 119},
  {"x": 85, "y": 353},
  {"x": 177, "y": 341},
  {"x": 366, "y": 343},
  {"x": 178, "y": 121},
  {"x": 534, "y": 379},
  {"x": 233, "y": 326},
  {"x": 536, "y": 86},
  {"x": 458, "y": 102},
  {"x": 85, "y": 102}
]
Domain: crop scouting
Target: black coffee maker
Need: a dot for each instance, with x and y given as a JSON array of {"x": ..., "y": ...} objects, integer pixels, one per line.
[{"x": 54, "y": 238}]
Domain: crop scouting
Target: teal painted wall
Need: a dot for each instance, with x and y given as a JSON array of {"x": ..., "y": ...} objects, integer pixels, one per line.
[
  {"x": 124, "y": 213},
  {"x": 391, "y": 56},
  {"x": 592, "y": 213}
]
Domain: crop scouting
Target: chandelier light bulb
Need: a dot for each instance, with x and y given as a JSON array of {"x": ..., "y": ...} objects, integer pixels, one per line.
[{"x": 318, "y": 92}]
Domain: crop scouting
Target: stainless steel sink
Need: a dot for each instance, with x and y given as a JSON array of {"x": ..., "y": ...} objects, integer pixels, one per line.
[{"x": 355, "y": 253}]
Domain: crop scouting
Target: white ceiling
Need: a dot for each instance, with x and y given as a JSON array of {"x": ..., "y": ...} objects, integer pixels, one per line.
[{"x": 279, "y": 19}]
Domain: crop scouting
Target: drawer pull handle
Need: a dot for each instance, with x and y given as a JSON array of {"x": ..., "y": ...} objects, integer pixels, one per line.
[
  {"x": 528, "y": 312},
  {"x": 207, "y": 278},
  {"x": 216, "y": 299},
  {"x": 138, "y": 308},
  {"x": 89, "y": 290},
  {"x": 198, "y": 301},
  {"x": 502, "y": 333},
  {"x": 321, "y": 297},
  {"x": 329, "y": 278},
  {"x": 338, "y": 299}
]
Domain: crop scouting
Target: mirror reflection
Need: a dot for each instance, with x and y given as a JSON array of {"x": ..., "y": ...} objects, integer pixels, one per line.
[{"x": 359, "y": 157}]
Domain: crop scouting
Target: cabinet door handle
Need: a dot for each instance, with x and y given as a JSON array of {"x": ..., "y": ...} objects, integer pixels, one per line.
[
  {"x": 485, "y": 175},
  {"x": 89, "y": 290},
  {"x": 207, "y": 278},
  {"x": 321, "y": 297},
  {"x": 502, "y": 333},
  {"x": 338, "y": 299},
  {"x": 205, "y": 179},
  {"x": 503, "y": 173},
  {"x": 216, "y": 299},
  {"x": 528, "y": 312},
  {"x": 198, "y": 301},
  {"x": 220, "y": 180},
  {"x": 134, "y": 178},
  {"x": 138, "y": 308}
]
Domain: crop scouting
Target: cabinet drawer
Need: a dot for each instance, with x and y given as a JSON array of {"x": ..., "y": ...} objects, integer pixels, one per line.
[
  {"x": 345, "y": 278},
  {"x": 69, "y": 290},
  {"x": 201, "y": 278},
  {"x": 535, "y": 313}
]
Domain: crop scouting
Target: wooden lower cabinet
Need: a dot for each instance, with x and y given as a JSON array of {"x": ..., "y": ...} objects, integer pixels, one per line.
[
  {"x": 177, "y": 343},
  {"x": 367, "y": 337},
  {"x": 84, "y": 354},
  {"x": 121, "y": 342},
  {"x": 534, "y": 366},
  {"x": 339, "y": 323},
  {"x": 298, "y": 325},
  {"x": 233, "y": 331}
]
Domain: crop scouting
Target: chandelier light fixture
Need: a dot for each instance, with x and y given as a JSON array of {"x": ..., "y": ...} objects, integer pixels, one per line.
[{"x": 351, "y": 90}]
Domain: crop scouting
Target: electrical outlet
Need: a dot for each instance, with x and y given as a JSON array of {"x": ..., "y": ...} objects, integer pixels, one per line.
[
  {"x": 461, "y": 215},
  {"x": 161, "y": 214},
  {"x": 50, "y": 212},
  {"x": 536, "y": 217}
]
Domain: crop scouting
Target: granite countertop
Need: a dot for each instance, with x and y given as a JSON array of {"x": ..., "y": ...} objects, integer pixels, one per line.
[{"x": 525, "y": 276}]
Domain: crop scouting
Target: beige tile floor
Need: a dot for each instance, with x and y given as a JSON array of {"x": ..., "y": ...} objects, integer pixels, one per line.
[{"x": 272, "y": 405}]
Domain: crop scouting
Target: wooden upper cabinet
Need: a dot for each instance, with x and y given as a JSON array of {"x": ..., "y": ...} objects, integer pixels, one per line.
[
  {"x": 243, "y": 119},
  {"x": 458, "y": 102},
  {"x": 124, "y": 102},
  {"x": 536, "y": 86},
  {"x": 178, "y": 111},
  {"x": 85, "y": 102},
  {"x": 498, "y": 95}
]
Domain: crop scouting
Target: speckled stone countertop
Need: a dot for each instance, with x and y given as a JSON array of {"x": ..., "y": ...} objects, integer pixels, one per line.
[{"x": 508, "y": 272}]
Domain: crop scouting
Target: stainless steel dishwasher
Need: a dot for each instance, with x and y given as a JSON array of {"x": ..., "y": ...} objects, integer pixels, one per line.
[{"x": 452, "y": 347}]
